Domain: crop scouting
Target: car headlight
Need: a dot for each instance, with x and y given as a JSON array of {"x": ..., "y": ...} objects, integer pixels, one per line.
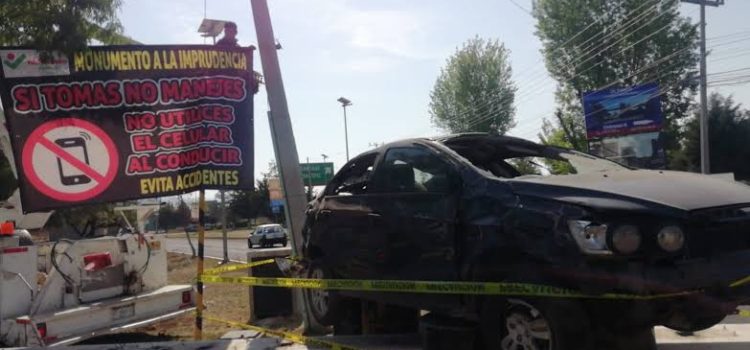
[
  {"x": 591, "y": 238},
  {"x": 626, "y": 239},
  {"x": 671, "y": 238}
]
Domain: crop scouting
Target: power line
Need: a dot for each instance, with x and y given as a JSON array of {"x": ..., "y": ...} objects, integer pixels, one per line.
[
  {"x": 521, "y": 7},
  {"x": 622, "y": 25},
  {"x": 578, "y": 73},
  {"x": 646, "y": 78},
  {"x": 575, "y": 74}
]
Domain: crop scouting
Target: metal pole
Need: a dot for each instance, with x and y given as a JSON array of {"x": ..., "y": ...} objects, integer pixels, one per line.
[
  {"x": 282, "y": 135},
  {"x": 346, "y": 135},
  {"x": 705, "y": 158},
  {"x": 288, "y": 159},
  {"x": 309, "y": 179},
  {"x": 198, "y": 331},
  {"x": 224, "y": 228}
]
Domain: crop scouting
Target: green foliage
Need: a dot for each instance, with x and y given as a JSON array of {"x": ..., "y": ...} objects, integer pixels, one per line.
[
  {"x": 63, "y": 25},
  {"x": 250, "y": 204},
  {"x": 244, "y": 205},
  {"x": 66, "y": 26},
  {"x": 183, "y": 213},
  {"x": 556, "y": 137},
  {"x": 618, "y": 58},
  {"x": 8, "y": 182},
  {"x": 474, "y": 91},
  {"x": 81, "y": 219},
  {"x": 524, "y": 166},
  {"x": 729, "y": 129}
]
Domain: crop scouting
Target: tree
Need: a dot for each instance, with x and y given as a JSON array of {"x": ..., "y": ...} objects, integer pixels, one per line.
[
  {"x": 83, "y": 220},
  {"x": 597, "y": 44},
  {"x": 183, "y": 213},
  {"x": 475, "y": 91},
  {"x": 729, "y": 128},
  {"x": 66, "y": 26},
  {"x": 255, "y": 203},
  {"x": 250, "y": 204},
  {"x": 8, "y": 182},
  {"x": 62, "y": 25}
]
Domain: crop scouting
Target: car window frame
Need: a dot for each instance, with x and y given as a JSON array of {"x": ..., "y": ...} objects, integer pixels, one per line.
[
  {"x": 453, "y": 174},
  {"x": 337, "y": 179}
]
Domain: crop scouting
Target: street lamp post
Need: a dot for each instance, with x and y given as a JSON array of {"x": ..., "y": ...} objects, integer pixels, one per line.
[{"x": 344, "y": 103}]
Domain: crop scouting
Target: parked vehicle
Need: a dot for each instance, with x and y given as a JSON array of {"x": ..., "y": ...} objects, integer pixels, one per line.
[
  {"x": 267, "y": 235},
  {"x": 458, "y": 208},
  {"x": 64, "y": 292}
]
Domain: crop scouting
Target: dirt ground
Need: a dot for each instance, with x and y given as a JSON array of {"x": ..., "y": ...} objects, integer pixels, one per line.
[{"x": 228, "y": 302}]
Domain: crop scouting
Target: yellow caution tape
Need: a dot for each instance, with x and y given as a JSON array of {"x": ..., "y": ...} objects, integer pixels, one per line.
[
  {"x": 223, "y": 269},
  {"x": 297, "y": 338},
  {"x": 740, "y": 282},
  {"x": 431, "y": 287}
]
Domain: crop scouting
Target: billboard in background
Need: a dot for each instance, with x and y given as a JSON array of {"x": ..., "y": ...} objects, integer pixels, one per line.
[
  {"x": 124, "y": 122},
  {"x": 275, "y": 194},
  {"x": 624, "y": 111},
  {"x": 644, "y": 151}
]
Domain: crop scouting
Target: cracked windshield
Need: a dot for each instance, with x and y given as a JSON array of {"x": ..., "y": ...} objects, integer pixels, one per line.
[{"x": 361, "y": 174}]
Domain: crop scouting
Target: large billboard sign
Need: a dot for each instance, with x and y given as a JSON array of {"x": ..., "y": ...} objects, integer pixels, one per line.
[
  {"x": 625, "y": 111},
  {"x": 116, "y": 123}
]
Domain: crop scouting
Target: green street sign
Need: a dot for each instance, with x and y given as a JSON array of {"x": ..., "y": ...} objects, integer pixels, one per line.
[{"x": 316, "y": 174}]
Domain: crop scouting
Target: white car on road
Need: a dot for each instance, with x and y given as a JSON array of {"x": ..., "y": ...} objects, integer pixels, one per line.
[{"x": 267, "y": 236}]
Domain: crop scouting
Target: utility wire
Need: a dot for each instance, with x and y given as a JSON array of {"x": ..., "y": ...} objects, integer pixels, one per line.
[
  {"x": 622, "y": 25},
  {"x": 621, "y": 51},
  {"x": 521, "y": 7},
  {"x": 575, "y": 74}
]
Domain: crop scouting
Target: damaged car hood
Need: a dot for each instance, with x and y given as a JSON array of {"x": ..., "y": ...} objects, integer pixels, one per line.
[{"x": 680, "y": 190}]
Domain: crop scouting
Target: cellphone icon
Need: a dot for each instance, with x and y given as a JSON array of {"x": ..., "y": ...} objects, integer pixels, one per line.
[{"x": 69, "y": 175}]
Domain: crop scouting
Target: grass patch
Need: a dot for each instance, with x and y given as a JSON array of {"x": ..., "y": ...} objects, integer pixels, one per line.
[
  {"x": 224, "y": 301},
  {"x": 212, "y": 234}
]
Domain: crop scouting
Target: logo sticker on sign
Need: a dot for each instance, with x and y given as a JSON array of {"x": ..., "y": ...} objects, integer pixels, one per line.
[
  {"x": 70, "y": 159},
  {"x": 28, "y": 63}
]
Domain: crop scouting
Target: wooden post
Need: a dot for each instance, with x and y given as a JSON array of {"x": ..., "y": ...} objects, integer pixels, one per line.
[{"x": 198, "y": 331}]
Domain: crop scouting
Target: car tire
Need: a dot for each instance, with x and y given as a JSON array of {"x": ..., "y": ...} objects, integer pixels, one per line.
[
  {"x": 284, "y": 242},
  {"x": 507, "y": 324},
  {"x": 263, "y": 242},
  {"x": 640, "y": 338},
  {"x": 249, "y": 245},
  {"x": 694, "y": 323},
  {"x": 326, "y": 306}
]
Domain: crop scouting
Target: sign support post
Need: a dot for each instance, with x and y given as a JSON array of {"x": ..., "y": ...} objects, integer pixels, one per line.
[{"x": 198, "y": 333}]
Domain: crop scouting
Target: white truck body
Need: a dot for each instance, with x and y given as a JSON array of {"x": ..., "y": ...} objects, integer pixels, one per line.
[{"x": 99, "y": 285}]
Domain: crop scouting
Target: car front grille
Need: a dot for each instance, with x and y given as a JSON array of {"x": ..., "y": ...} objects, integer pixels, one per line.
[{"x": 719, "y": 230}]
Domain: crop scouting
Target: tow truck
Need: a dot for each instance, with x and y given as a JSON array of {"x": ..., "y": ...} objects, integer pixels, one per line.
[{"x": 62, "y": 292}]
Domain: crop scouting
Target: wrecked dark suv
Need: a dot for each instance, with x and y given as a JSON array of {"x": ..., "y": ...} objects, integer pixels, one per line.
[{"x": 479, "y": 207}]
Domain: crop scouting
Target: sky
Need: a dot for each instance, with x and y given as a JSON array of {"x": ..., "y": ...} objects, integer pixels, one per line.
[{"x": 385, "y": 56}]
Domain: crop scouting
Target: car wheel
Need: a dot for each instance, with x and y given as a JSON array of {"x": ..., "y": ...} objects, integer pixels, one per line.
[
  {"x": 249, "y": 244},
  {"x": 541, "y": 325},
  {"x": 641, "y": 338},
  {"x": 693, "y": 323},
  {"x": 263, "y": 242},
  {"x": 284, "y": 242},
  {"x": 324, "y": 305}
]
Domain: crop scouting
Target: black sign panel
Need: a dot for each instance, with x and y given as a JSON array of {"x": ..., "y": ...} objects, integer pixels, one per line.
[{"x": 117, "y": 123}]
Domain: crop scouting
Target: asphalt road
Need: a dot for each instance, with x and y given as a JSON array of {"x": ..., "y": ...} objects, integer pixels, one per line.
[
  {"x": 732, "y": 334},
  {"x": 213, "y": 248}
]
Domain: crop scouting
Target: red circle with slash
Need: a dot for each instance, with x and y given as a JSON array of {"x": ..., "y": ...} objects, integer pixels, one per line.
[{"x": 54, "y": 169}]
